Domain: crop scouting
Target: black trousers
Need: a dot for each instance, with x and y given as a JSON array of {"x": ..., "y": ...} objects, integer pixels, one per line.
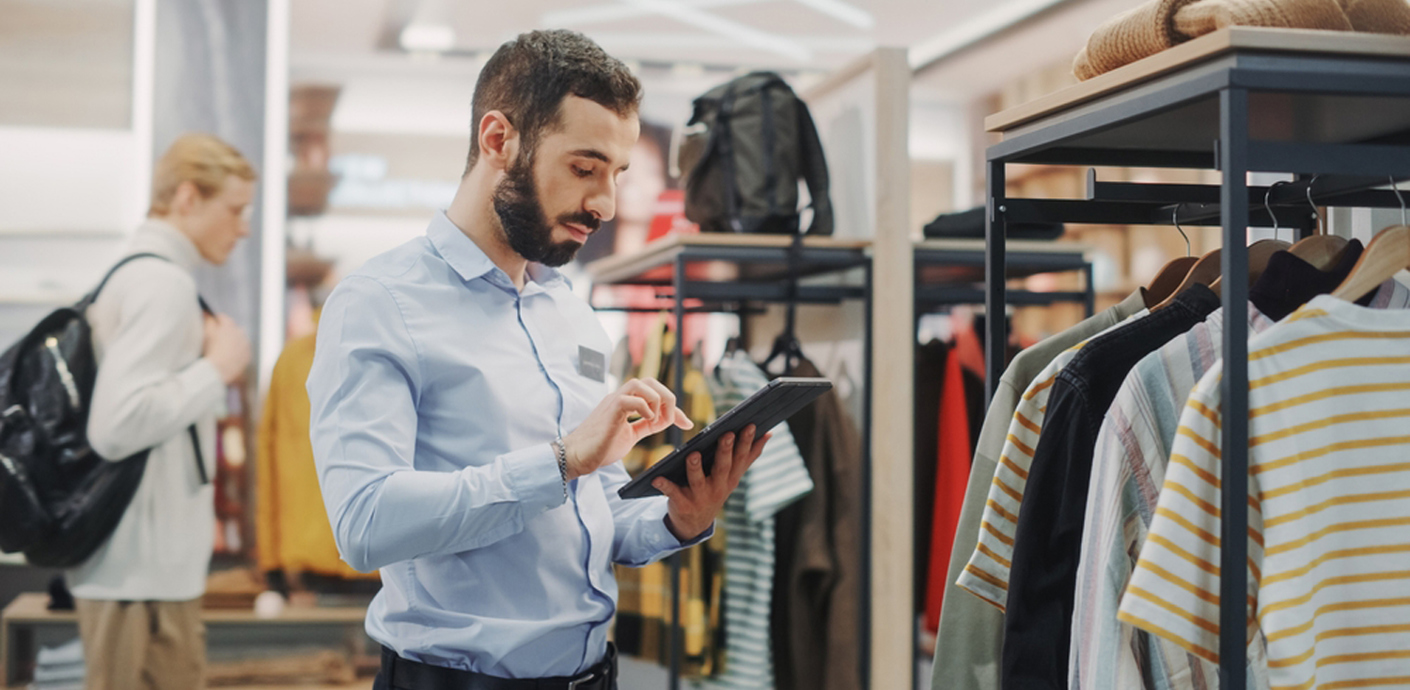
[{"x": 403, "y": 674}]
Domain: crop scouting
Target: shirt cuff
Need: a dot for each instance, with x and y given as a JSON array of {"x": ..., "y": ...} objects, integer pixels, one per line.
[
  {"x": 534, "y": 477},
  {"x": 662, "y": 540}
]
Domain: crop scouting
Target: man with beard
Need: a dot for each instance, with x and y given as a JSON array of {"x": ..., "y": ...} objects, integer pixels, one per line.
[{"x": 465, "y": 439}]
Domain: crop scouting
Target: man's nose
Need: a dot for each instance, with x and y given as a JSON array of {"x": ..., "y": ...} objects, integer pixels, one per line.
[{"x": 603, "y": 202}]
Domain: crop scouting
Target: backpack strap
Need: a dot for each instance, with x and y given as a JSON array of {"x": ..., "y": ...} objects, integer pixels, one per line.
[
  {"x": 88, "y": 300},
  {"x": 814, "y": 172},
  {"x": 93, "y": 296}
]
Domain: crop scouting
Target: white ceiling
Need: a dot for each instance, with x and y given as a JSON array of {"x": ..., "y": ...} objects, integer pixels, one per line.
[
  {"x": 962, "y": 49},
  {"x": 778, "y": 34}
]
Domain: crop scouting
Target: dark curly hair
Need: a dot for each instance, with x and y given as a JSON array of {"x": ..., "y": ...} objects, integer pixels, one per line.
[{"x": 528, "y": 78}]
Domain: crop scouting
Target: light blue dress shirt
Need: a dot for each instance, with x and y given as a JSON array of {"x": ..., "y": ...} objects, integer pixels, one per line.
[{"x": 436, "y": 389}]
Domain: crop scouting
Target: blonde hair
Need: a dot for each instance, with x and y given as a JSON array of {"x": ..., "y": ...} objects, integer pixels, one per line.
[{"x": 200, "y": 159}]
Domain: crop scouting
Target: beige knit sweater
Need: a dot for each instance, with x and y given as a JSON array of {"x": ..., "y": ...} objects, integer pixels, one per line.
[{"x": 1159, "y": 24}]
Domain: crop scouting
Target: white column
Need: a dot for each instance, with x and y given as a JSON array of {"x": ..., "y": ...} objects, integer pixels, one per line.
[{"x": 274, "y": 181}]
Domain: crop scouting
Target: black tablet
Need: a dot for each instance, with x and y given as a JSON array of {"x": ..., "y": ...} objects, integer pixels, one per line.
[{"x": 779, "y": 400}]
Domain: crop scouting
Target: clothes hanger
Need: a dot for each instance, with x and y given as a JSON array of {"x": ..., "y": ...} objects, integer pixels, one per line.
[
  {"x": 1204, "y": 271},
  {"x": 1320, "y": 250},
  {"x": 786, "y": 345},
  {"x": 1171, "y": 274},
  {"x": 1386, "y": 255},
  {"x": 1259, "y": 254}
]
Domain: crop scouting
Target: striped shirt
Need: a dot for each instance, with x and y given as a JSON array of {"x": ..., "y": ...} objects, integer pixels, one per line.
[
  {"x": 775, "y": 480},
  {"x": 1132, "y": 452},
  {"x": 1127, "y": 469},
  {"x": 987, "y": 573},
  {"x": 1329, "y": 493}
]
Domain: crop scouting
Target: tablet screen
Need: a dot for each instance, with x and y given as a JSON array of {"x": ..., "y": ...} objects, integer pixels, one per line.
[{"x": 771, "y": 405}]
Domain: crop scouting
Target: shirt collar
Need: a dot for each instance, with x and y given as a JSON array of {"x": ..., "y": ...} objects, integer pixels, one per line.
[
  {"x": 160, "y": 237},
  {"x": 471, "y": 262}
]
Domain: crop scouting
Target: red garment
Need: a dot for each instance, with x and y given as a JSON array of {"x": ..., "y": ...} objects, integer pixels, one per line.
[
  {"x": 951, "y": 477},
  {"x": 967, "y": 343}
]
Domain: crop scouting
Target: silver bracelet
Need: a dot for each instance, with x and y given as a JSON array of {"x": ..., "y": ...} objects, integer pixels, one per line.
[{"x": 562, "y": 452}]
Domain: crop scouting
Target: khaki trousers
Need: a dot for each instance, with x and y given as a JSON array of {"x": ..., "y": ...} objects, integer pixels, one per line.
[{"x": 151, "y": 645}]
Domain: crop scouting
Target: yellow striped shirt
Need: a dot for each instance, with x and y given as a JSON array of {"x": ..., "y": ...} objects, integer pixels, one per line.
[
  {"x": 987, "y": 573},
  {"x": 1329, "y": 497}
]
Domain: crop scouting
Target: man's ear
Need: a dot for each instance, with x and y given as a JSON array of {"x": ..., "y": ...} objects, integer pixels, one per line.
[
  {"x": 499, "y": 140},
  {"x": 184, "y": 200}
]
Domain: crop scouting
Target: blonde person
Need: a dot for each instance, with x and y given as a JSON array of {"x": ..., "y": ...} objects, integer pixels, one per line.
[{"x": 163, "y": 368}]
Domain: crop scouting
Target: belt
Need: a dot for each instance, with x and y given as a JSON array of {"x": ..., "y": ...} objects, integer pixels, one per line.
[{"x": 405, "y": 674}]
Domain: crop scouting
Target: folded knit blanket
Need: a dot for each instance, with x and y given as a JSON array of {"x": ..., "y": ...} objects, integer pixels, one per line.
[{"x": 1159, "y": 24}]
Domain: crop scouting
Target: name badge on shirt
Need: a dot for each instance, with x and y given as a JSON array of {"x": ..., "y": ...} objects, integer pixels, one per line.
[{"x": 592, "y": 364}]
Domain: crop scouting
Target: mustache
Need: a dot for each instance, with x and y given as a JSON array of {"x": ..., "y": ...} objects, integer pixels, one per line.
[{"x": 583, "y": 218}]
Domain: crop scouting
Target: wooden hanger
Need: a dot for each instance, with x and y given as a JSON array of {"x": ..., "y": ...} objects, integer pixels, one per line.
[
  {"x": 1205, "y": 271},
  {"x": 1322, "y": 251},
  {"x": 1388, "y": 252},
  {"x": 1258, "y": 255},
  {"x": 1167, "y": 279}
]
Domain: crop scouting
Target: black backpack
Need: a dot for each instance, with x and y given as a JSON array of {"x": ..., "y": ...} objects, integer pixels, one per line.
[
  {"x": 758, "y": 139},
  {"x": 59, "y": 501}
]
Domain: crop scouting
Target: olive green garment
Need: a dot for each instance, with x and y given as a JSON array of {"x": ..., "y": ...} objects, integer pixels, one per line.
[{"x": 971, "y": 636}]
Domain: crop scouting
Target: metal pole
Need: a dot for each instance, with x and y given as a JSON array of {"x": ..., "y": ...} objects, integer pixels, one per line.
[
  {"x": 1233, "y": 557},
  {"x": 677, "y": 637},
  {"x": 1090, "y": 299},
  {"x": 994, "y": 281},
  {"x": 865, "y": 555}
]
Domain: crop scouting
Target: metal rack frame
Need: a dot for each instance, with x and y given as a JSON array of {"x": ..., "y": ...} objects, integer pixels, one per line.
[
  {"x": 803, "y": 258},
  {"x": 1219, "y": 104},
  {"x": 1022, "y": 263}
]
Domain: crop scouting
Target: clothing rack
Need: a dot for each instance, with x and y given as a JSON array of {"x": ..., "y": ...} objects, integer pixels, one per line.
[
  {"x": 745, "y": 269},
  {"x": 948, "y": 272},
  {"x": 960, "y": 270},
  {"x": 1329, "y": 104}
]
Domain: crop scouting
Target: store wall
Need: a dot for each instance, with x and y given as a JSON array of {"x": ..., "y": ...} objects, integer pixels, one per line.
[{"x": 70, "y": 143}]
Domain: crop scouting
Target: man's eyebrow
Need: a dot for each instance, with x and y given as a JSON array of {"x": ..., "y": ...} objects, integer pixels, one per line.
[{"x": 594, "y": 154}]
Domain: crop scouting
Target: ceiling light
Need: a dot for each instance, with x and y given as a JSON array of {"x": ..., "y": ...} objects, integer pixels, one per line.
[
  {"x": 424, "y": 37},
  {"x": 957, "y": 38},
  {"x": 611, "y": 12},
  {"x": 740, "y": 33},
  {"x": 841, "y": 11}
]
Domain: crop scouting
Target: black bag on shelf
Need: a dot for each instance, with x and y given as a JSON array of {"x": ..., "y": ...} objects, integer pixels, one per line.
[
  {"x": 970, "y": 225},
  {"x": 59, "y": 501},
  {"x": 751, "y": 141}
]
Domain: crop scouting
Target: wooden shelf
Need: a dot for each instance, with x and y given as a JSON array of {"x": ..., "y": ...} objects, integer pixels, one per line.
[
  {"x": 31, "y": 609},
  {"x": 1209, "y": 46}
]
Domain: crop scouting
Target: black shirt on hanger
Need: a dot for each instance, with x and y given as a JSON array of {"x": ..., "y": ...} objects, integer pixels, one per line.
[
  {"x": 929, "y": 382},
  {"x": 1289, "y": 282},
  {"x": 1048, "y": 541}
]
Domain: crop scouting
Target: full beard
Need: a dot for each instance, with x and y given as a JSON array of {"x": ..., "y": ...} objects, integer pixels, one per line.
[{"x": 526, "y": 226}]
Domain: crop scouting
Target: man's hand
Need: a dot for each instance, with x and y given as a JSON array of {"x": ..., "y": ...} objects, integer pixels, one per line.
[
  {"x": 693, "y": 508},
  {"x": 227, "y": 347},
  {"x": 607, "y": 434}
]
